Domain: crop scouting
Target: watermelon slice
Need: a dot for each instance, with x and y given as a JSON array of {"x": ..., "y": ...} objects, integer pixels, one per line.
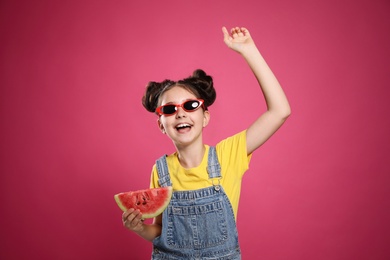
[{"x": 150, "y": 202}]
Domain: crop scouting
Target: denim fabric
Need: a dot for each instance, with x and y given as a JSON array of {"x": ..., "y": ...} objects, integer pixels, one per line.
[{"x": 197, "y": 224}]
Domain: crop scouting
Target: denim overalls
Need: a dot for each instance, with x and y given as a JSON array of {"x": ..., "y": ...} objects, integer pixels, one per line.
[{"x": 197, "y": 224}]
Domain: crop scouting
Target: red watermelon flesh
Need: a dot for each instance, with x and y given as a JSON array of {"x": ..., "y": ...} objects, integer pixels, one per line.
[{"x": 150, "y": 202}]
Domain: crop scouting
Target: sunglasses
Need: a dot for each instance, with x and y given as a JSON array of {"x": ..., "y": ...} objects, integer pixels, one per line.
[{"x": 188, "y": 106}]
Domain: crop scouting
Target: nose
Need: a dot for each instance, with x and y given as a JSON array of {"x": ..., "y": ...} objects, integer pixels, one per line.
[{"x": 180, "y": 112}]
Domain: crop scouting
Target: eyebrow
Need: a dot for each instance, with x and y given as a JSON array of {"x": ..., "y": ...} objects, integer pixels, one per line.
[{"x": 173, "y": 103}]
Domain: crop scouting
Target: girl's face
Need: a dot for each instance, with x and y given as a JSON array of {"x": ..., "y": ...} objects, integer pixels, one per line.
[{"x": 184, "y": 128}]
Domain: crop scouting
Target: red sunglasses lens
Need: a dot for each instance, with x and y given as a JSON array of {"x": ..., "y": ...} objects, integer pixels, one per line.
[
  {"x": 191, "y": 105},
  {"x": 168, "y": 109}
]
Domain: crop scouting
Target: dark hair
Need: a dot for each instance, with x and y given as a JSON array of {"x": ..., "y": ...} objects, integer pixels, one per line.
[{"x": 200, "y": 84}]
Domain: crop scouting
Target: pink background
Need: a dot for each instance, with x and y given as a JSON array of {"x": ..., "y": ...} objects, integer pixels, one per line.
[{"x": 74, "y": 132}]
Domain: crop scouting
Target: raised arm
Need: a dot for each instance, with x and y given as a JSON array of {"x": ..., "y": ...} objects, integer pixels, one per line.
[{"x": 278, "y": 108}]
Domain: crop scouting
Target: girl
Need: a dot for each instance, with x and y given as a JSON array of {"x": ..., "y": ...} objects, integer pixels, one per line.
[{"x": 200, "y": 221}]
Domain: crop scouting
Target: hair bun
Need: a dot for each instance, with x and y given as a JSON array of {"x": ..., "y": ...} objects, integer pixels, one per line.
[
  {"x": 153, "y": 92},
  {"x": 204, "y": 86}
]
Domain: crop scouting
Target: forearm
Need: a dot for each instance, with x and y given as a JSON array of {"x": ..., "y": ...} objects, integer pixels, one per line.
[
  {"x": 278, "y": 108},
  {"x": 273, "y": 93},
  {"x": 149, "y": 231}
]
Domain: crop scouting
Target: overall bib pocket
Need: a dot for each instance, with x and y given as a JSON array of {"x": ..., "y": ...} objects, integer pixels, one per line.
[{"x": 197, "y": 227}]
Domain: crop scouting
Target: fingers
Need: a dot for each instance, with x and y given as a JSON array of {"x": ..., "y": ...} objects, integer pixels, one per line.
[
  {"x": 235, "y": 31},
  {"x": 239, "y": 32},
  {"x": 132, "y": 219},
  {"x": 226, "y": 37}
]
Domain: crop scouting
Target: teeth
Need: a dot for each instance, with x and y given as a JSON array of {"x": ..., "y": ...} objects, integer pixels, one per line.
[{"x": 182, "y": 125}]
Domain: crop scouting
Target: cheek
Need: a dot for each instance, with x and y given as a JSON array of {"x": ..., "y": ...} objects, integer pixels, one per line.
[{"x": 163, "y": 122}]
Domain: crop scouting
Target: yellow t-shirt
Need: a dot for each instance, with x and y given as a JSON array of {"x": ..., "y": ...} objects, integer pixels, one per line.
[{"x": 234, "y": 162}]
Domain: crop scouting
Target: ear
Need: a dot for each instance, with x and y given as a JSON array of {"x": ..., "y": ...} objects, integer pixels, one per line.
[
  {"x": 160, "y": 125},
  {"x": 206, "y": 118}
]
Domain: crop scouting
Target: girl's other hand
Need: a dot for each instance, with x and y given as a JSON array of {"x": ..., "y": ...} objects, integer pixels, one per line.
[
  {"x": 238, "y": 40},
  {"x": 132, "y": 220}
]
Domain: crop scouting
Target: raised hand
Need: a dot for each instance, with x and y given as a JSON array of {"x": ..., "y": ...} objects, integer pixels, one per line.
[{"x": 238, "y": 40}]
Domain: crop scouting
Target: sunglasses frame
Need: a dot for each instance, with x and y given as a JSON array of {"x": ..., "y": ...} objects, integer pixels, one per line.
[{"x": 160, "y": 108}]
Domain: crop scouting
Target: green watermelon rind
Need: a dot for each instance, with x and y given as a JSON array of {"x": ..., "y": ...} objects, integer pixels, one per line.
[{"x": 146, "y": 215}]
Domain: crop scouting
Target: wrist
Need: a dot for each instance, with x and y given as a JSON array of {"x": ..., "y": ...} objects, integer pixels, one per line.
[
  {"x": 140, "y": 230},
  {"x": 250, "y": 51}
]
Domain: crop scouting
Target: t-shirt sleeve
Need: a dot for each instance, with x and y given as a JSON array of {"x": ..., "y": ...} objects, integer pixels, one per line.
[
  {"x": 154, "y": 178},
  {"x": 232, "y": 154}
]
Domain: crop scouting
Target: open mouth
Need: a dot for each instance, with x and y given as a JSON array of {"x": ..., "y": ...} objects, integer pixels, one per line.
[{"x": 183, "y": 127}]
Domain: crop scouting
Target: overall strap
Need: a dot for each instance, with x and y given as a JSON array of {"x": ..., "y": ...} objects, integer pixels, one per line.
[
  {"x": 162, "y": 170},
  {"x": 213, "y": 167}
]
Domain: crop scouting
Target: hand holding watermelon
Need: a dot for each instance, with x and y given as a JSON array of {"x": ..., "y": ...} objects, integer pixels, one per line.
[{"x": 132, "y": 219}]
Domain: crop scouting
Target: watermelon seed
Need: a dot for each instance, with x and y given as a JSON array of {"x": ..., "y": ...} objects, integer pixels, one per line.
[{"x": 145, "y": 196}]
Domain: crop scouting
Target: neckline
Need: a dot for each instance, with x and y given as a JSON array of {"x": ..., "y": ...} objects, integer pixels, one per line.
[{"x": 203, "y": 162}]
